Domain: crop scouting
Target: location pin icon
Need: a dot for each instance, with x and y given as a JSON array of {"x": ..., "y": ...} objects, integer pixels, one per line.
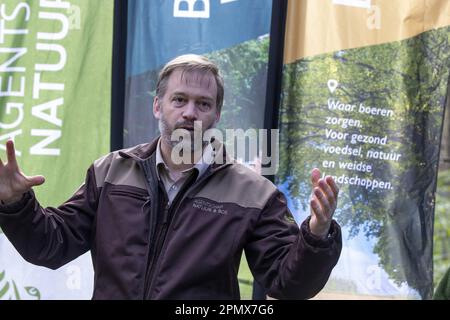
[{"x": 332, "y": 85}]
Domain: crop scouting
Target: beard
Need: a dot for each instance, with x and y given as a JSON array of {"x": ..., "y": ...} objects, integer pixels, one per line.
[
  {"x": 166, "y": 132},
  {"x": 188, "y": 133}
]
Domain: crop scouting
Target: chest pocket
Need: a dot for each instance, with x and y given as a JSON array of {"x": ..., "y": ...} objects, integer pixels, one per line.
[
  {"x": 128, "y": 200},
  {"x": 124, "y": 192},
  {"x": 124, "y": 216}
]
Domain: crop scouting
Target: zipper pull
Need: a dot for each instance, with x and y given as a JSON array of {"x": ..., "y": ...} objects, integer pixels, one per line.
[{"x": 147, "y": 202}]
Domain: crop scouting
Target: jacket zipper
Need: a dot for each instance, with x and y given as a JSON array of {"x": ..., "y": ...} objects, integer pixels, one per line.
[
  {"x": 161, "y": 238},
  {"x": 152, "y": 221},
  {"x": 155, "y": 251}
]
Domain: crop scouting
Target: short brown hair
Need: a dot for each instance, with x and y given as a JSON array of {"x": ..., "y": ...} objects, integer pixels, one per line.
[{"x": 190, "y": 62}]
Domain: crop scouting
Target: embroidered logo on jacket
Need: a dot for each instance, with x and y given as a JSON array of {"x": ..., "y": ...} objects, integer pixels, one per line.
[{"x": 209, "y": 207}]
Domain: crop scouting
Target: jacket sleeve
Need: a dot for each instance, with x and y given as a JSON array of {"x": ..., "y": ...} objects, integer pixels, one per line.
[
  {"x": 288, "y": 261},
  {"x": 52, "y": 237}
]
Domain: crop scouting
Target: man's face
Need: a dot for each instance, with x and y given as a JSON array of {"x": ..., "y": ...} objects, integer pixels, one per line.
[{"x": 190, "y": 96}]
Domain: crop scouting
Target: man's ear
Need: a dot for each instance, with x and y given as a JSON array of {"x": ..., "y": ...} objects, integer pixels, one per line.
[
  {"x": 156, "y": 107},
  {"x": 217, "y": 117}
]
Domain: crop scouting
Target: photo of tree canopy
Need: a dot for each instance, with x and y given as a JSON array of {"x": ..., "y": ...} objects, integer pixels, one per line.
[{"x": 372, "y": 116}]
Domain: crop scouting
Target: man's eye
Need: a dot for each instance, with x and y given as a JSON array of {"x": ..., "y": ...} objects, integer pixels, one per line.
[
  {"x": 178, "y": 100},
  {"x": 205, "y": 105}
]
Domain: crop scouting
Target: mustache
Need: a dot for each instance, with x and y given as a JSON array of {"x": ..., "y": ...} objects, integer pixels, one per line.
[
  {"x": 188, "y": 125},
  {"x": 184, "y": 125}
]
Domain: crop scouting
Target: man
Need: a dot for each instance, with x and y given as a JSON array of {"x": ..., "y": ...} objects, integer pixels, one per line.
[{"x": 161, "y": 228}]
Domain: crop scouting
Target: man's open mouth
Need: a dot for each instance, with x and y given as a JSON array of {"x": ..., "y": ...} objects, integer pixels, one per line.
[{"x": 186, "y": 128}]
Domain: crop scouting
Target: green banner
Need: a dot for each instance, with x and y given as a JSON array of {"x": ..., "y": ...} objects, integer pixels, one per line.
[
  {"x": 55, "y": 78},
  {"x": 55, "y": 85}
]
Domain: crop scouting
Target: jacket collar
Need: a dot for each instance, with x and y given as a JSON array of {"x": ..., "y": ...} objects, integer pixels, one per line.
[
  {"x": 143, "y": 152},
  {"x": 140, "y": 152}
]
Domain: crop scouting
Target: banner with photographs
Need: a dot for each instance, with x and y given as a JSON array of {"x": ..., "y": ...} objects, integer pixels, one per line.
[{"x": 363, "y": 100}]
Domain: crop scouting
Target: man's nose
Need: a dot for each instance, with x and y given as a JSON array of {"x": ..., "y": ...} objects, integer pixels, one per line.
[{"x": 190, "y": 111}]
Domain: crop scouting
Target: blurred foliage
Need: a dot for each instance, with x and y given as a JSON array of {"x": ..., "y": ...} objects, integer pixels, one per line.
[
  {"x": 244, "y": 70},
  {"x": 341, "y": 285},
  {"x": 245, "y": 279},
  {"x": 408, "y": 77},
  {"x": 441, "y": 250}
]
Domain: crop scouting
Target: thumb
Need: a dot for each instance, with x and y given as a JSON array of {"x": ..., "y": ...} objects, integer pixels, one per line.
[{"x": 35, "y": 180}]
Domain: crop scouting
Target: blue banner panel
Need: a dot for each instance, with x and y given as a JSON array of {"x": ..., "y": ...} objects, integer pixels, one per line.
[{"x": 160, "y": 30}]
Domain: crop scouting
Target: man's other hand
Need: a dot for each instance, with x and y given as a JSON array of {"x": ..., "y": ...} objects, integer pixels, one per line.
[
  {"x": 323, "y": 203},
  {"x": 13, "y": 183}
]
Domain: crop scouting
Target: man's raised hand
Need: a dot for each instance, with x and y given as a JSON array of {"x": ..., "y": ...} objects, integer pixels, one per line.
[
  {"x": 323, "y": 203},
  {"x": 13, "y": 183}
]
